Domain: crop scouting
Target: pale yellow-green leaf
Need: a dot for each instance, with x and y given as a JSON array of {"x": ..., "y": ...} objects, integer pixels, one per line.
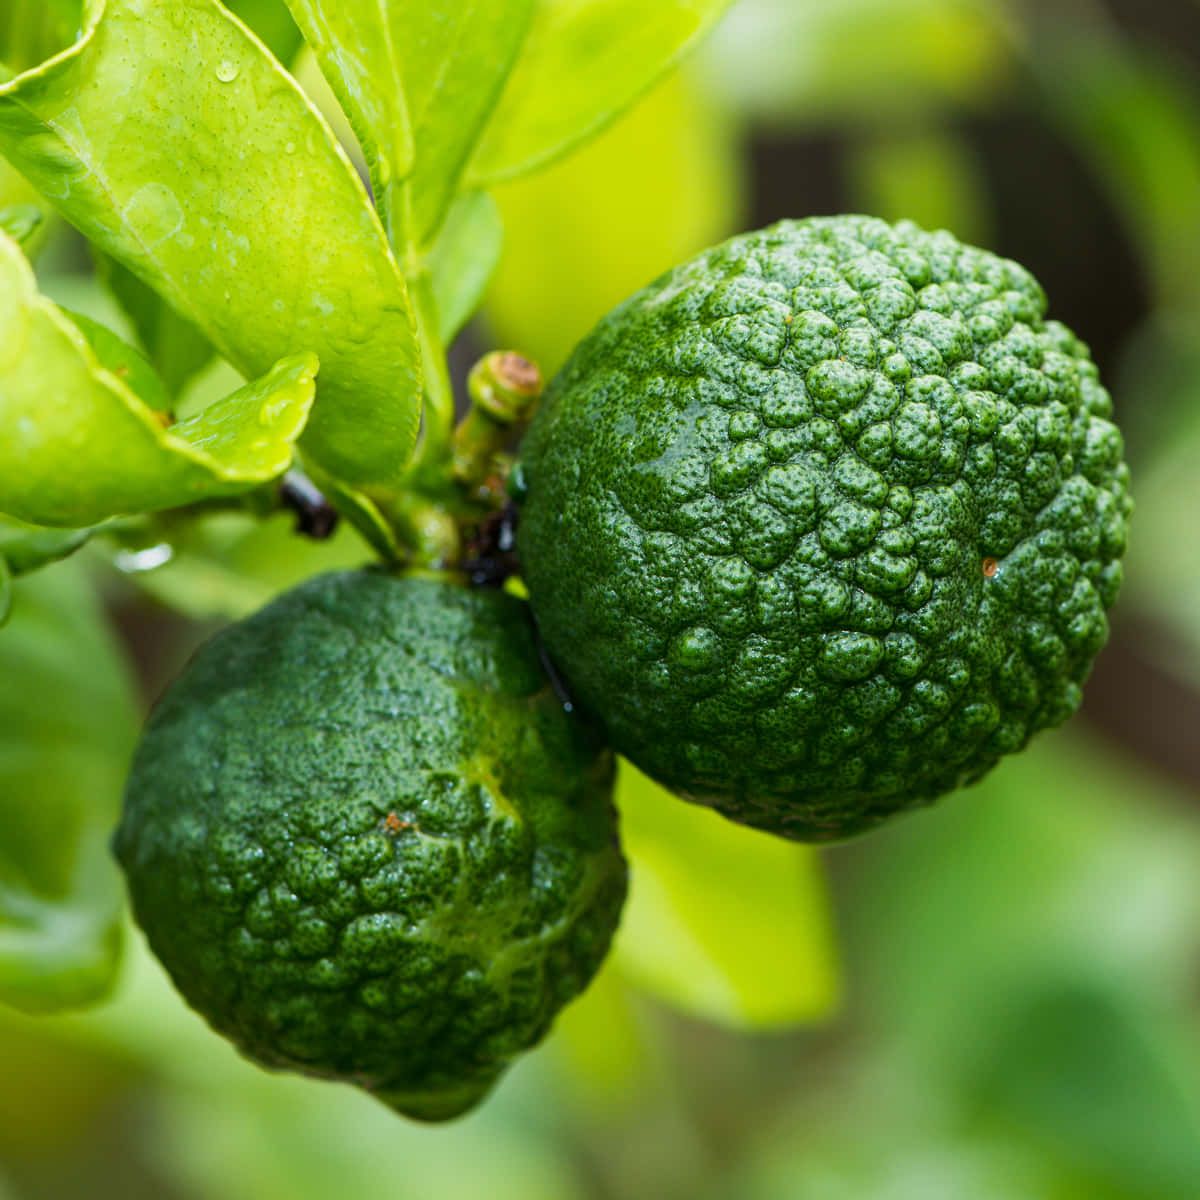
[
  {"x": 175, "y": 142},
  {"x": 176, "y": 348},
  {"x": 583, "y": 63},
  {"x": 78, "y": 446},
  {"x": 722, "y": 921}
]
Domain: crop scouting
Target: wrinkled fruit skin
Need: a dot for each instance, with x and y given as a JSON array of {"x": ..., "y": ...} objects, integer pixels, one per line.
[
  {"x": 368, "y": 843},
  {"x": 824, "y": 522}
]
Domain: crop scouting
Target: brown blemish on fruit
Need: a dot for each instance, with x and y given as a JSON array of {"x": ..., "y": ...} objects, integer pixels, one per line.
[
  {"x": 394, "y": 824},
  {"x": 990, "y": 567}
]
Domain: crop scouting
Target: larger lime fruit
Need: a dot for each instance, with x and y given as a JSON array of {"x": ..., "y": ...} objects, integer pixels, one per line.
[
  {"x": 825, "y": 521},
  {"x": 367, "y": 841}
]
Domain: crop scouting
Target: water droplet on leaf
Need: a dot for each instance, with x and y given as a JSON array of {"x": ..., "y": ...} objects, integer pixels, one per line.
[
  {"x": 227, "y": 72},
  {"x": 133, "y": 561}
]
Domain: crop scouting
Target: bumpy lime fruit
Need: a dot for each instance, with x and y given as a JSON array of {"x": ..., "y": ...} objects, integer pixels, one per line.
[
  {"x": 369, "y": 844},
  {"x": 824, "y": 522}
]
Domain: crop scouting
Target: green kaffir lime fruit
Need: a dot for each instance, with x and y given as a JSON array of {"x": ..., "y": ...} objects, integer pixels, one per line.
[
  {"x": 825, "y": 521},
  {"x": 368, "y": 842}
]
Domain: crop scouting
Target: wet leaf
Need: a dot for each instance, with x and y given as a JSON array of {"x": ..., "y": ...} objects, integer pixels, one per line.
[
  {"x": 176, "y": 348},
  {"x": 77, "y": 445},
  {"x": 418, "y": 82},
  {"x": 272, "y": 22},
  {"x": 223, "y": 189}
]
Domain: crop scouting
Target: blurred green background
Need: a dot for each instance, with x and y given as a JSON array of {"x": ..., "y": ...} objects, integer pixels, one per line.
[{"x": 996, "y": 999}]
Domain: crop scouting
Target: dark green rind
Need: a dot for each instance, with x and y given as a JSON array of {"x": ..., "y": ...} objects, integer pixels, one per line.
[
  {"x": 757, "y": 501},
  {"x": 368, "y": 843}
]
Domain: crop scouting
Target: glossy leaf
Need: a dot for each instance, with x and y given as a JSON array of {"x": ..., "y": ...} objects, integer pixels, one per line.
[
  {"x": 175, "y": 347},
  {"x": 221, "y": 187},
  {"x": 65, "y": 735},
  {"x": 722, "y": 921},
  {"x": 418, "y": 82},
  {"x": 123, "y": 360},
  {"x": 271, "y": 21},
  {"x": 463, "y": 259},
  {"x": 77, "y": 445},
  {"x": 584, "y": 62}
]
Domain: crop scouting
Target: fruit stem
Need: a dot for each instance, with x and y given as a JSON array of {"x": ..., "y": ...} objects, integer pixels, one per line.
[{"x": 504, "y": 389}]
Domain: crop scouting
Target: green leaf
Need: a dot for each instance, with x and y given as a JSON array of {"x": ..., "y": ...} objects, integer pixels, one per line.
[
  {"x": 31, "y": 30},
  {"x": 21, "y": 222},
  {"x": 25, "y": 547},
  {"x": 1094, "y": 1080},
  {"x": 65, "y": 736},
  {"x": 584, "y": 63},
  {"x": 222, "y": 188},
  {"x": 78, "y": 446},
  {"x": 361, "y": 511},
  {"x": 463, "y": 259},
  {"x": 418, "y": 82},
  {"x": 176, "y": 348},
  {"x": 122, "y": 360},
  {"x": 722, "y": 921},
  {"x": 18, "y": 203},
  {"x": 272, "y": 22}
]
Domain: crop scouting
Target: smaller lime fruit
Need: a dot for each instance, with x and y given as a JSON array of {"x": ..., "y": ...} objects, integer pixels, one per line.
[
  {"x": 368, "y": 842},
  {"x": 824, "y": 522}
]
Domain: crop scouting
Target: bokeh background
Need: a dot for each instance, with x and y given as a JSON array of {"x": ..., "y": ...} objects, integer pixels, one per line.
[{"x": 995, "y": 999}]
